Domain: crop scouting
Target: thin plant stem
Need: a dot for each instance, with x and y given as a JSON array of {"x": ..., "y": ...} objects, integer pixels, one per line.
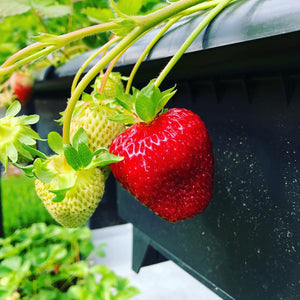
[
  {"x": 120, "y": 48},
  {"x": 91, "y": 58},
  {"x": 28, "y": 59},
  {"x": 210, "y": 16},
  {"x": 200, "y": 7},
  {"x": 108, "y": 71},
  {"x": 57, "y": 42},
  {"x": 147, "y": 50},
  {"x": 90, "y": 75}
]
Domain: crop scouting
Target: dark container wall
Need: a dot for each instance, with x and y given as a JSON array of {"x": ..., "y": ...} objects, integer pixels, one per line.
[
  {"x": 242, "y": 76},
  {"x": 245, "y": 243}
]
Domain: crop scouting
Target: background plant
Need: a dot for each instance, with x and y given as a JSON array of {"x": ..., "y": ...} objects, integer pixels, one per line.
[
  {"x": 31, "y": 17},
  {"x": 43, "y": 262},
  {"x": 17, "y": 201}
]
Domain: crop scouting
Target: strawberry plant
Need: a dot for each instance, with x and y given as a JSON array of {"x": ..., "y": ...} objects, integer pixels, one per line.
[
  {"x": 29, "y": 18},
  {"x": 163, "y": 157},
  {"x": 52, "y": 262}
]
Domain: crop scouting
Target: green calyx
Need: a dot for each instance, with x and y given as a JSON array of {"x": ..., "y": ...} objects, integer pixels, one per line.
[
  {"x": 16, "y": 135},
  {"x": 68, "y": 162},
  {"x": 143, "y": 105}
]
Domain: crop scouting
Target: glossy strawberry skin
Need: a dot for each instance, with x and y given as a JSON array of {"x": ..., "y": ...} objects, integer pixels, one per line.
[
  {"x": 168, "y": 164},
  {"x": 22, "y": 85}
]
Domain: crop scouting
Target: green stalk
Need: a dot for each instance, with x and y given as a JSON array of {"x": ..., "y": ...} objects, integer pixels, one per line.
[
  {"x": 91, "y": 30},
  {"x": 165, "y": 13},
  {"x": 22, "y": 53},
  {"x": 109, "y": 69},
  {"x": 145, "y": 23},
  {"x": 25, "y": 55},
  {"x": 201, "y": 6},
  {"x": 147, "y": 50},
  {"x": 210, "y": 16},
  {"x": 89, "y": 76},
  {"x": 85, "y": 64},
  {"x": 27, "y": 59},
  {"x": 196, "y": 8}
]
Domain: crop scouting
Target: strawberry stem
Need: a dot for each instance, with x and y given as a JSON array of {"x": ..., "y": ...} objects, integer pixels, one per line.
[
  {"x": 108, "y": 71},
  {"x": 93, "y": 56},
  {"x": 147, "y": 50},
  {"x": 91, "y": 74},
  {"x": 210, "y": 16},
  {"x": 25, "y": 55}
]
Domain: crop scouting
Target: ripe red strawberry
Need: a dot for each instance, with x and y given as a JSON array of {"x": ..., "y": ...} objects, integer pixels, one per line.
[
  {"x": 168, "y": 164},
  {"x": 22, "y": 85}
]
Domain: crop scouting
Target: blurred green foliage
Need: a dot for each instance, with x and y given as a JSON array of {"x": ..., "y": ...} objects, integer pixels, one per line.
[
  {"x": 52, "y": 262},
  {"x": 21, "y": 20},
  {"x": 21, "y": 207}
]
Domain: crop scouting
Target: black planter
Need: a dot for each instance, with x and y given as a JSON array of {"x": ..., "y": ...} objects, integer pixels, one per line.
[
  {"x": 245, "y": 243},
  {"x": 245, "y": 85},
  {"x": 242, "y": 76}
]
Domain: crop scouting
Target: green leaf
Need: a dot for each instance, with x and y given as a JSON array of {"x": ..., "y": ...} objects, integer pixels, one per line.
[
  {"x": 4, "y": 271},
  {"x": 99, "y": 249},
  {"x": 79, "y": 137},
  {"x": 86, "y": 247},
  {"x": 122, "y": 118},
  {"x": 12, "y": 152},
  {"x": 98, "y": 15},
  {"x": 41, "y": 171},
  {"x": 98, "y": 151},
  {"x": 13, "y": 109},
  {"x": 59, "y": 194},
  {"x": 31, "y": 133},
  {"x": 54, "y": 11},
  {"x": 104, "y": 160},
  {"x": 85, "y": 154},
  {"x": 124, "y": 99},
  {"x": 76, "y": 292},
  {"x": 66, "y": 180},
  {"x": 78, "y": 269},
  {"x": 129, "y": 7},
  {"x": 22, "y": 152},
  {"x": 165, "y": 97},
  {"x": 86, "y": 97},
  {"x": 145, "y": 108},
  {"x": 11, "y": 8},
  {"x": 29, "y": 120},
  {"x": 55, "y": 142},
  {"x": 34, "y": 151},
  {"x": 25, "y": 139},
  {"x": 13, "y": 262},
  {"x": 26, "y": 169},
  {"x": 72, "y": 157},
  {"x": 127, "y": 293}
]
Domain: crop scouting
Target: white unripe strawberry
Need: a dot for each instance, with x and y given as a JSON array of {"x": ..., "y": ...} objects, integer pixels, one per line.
[
  {"x": 94, "y": 120},
  {"x": 80, "y": 201}
]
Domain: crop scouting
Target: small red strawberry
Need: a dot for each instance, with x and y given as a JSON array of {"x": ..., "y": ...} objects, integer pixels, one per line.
[
  {"x": 168, "y": 163},
  {"x": 22, "y": 85}
]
